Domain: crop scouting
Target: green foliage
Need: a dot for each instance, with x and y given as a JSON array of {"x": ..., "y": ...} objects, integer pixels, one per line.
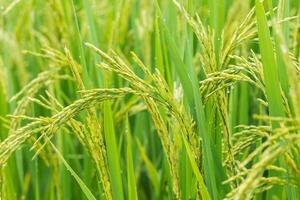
[{"x": 149, "y": 99}]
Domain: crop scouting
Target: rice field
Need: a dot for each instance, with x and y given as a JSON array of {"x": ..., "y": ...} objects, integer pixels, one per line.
[{"x": 149, "y": 99}]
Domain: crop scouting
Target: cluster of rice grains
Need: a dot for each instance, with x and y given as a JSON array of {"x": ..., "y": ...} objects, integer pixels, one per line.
[{"x": 150, "y": 99}]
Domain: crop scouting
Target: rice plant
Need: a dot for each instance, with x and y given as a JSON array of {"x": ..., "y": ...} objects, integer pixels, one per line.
[{"x": 150, "y": 99}]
